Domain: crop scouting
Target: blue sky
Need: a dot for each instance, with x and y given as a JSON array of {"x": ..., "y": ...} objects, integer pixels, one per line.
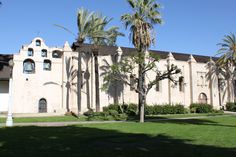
[{"x": 190, "y": 26}]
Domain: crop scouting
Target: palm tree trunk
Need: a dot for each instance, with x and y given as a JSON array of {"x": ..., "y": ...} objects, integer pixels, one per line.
[
  {"x": 79, "y": 74},
  {"x": 87, "y": 86},
  {"x": 97, "y": 93},
  {"x": 141, "y": 88}
]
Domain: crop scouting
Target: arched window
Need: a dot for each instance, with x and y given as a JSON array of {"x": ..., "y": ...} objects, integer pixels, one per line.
[
  {"x": 181, "y": 84},
  {"x": 42, "y": 106},
  {"x": 202, "y": 98},
  {"x": 44, "y": 53},
  {"x": 30, "y": 52},
  {"x": 38, "y": 43},
  {"x": 47, "y": 65},
  {"x": 28, "y": 66},
  {"x": 56, "y": 54}
]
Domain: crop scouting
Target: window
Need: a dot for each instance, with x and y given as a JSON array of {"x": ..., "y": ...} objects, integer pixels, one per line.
[
  {"x": 28, "y": 66},
  {"x": 181, "y": 84},
  {"x": 158, "y": 85},
  {"x": 201, "y": 78},
  {"x": 132, "y": 82},
  {"x": 44, "y": 53},
  {"x": 202, "y": 98},
  {"x": 38, "y": 43},
  {"x": 30, "y": 52},
  {"x": 42, "y": 108},
  {"x": 47, "y": 65},
  {"x": 56, "y": 54}
]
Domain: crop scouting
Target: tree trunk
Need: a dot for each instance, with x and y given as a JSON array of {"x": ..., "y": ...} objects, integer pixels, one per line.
[
  {"x": 141, "y": 87},
  {"x": 97, "y": 84},
  {"x": 79, "y": 74},
  {"x": 87, "y": 76}
]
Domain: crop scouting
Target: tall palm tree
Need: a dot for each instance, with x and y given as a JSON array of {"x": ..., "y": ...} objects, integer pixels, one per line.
[
  {"x": 101, "y": 36},
  {"x": 141, "y": 23},
  {"x": 227, "y": 60},
  {"x": 92, "y": 26},
  {"x": 227, "y": 50}
]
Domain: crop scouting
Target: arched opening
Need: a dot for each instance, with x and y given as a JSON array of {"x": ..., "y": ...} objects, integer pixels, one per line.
[
  {"x": 44, "y": 53},
  {"x": 42, "y": 108},
  {"x": 47, "y": 65},
  {"x": 28, "y": 66},
  {"x": 38, "y": 43},
  {"x": 30, "y": 52},
  {"x": 181, "y": 84},
  {"x": 56, "y": 54},
  {"x": 202, "y": 98}
]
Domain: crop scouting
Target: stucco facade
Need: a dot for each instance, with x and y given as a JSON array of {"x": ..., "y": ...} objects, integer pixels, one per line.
[{"x": 45, "y": 79}]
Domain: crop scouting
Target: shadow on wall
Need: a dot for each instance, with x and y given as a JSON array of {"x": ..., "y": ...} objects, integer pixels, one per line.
[
  {"x": 115, "y": 88},
  {"x": 87, "y": 142}
]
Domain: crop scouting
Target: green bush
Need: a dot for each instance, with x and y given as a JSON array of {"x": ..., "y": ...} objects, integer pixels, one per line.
[
  {"x": 164, "y": 109},
  {"x": 89, "y": 112},
  {"x": 149, "y": 110},
  {"x": 132, "y": 109},
  {"x": 200, "y": 108},
  {"x": 231, "y": 106},
  {"x": 157, "y": 109}
]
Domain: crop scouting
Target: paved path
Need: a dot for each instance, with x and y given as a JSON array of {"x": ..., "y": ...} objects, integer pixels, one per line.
[{"x": 60, "y": 123}]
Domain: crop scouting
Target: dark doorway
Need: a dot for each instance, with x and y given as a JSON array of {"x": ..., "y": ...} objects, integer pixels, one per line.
[{"x": 42, "y": 105}]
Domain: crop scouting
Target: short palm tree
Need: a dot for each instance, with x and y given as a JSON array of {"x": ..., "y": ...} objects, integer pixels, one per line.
[{"x": 141, "y": 23}]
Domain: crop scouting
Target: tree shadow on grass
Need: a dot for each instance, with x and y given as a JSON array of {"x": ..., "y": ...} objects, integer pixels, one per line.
[
  {"x": 82, "y": 141},
  {"x": 194, "y": 121}
]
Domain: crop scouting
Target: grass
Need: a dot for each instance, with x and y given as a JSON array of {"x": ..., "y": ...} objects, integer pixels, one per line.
[
  {"x": 44, "y": 119},
  {"x": 84, "y": 118},
  {"x": 208, "y": 137}
]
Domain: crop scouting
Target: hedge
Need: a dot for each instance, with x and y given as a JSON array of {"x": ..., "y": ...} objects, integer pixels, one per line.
[
  {"x": 164, "y": 109},
  {"x": 200, "y": 108},
  {"x": 231, "y": 106}
]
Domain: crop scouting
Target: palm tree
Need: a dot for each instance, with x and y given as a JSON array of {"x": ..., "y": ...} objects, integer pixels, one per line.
[
  {"x": 145, "y": 15},
  {"x": 227, "y": 60},
  {"x": 98, "y": 37},
  {"x": 227, "y": 50},
  {"x": 91, "y": 26}
]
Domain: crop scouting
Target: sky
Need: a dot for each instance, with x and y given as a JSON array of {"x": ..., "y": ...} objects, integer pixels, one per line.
[{"x": 190, "y": 26}]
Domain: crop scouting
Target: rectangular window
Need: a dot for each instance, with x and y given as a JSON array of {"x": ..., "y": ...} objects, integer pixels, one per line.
[
  {"x": 132, "y": 82},
  {"x": 181, "y": 84},
  {"x": 158, "y": 85},
  {"x": 30, "y": 52}
]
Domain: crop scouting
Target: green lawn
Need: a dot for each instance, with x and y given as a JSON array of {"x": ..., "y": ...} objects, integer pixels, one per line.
[
  {"x": 209, "y": 137},
  {"x": 44, "y": 119},
  {"x": 83, "y": 118}
]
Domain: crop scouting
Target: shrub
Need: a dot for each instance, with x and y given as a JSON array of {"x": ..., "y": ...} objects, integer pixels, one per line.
[
  {"x": 165, "y": 109},
  {"x": 157, "y": 109},
  {"x": 149, "y": 110},
  {"x": 131, "y": 109},
  {"x": 179, "y": 109},
  {"x": 200, "y": 108},
  {"x": 89, "y": 112},
  {"x": 231, "y": 106}
]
